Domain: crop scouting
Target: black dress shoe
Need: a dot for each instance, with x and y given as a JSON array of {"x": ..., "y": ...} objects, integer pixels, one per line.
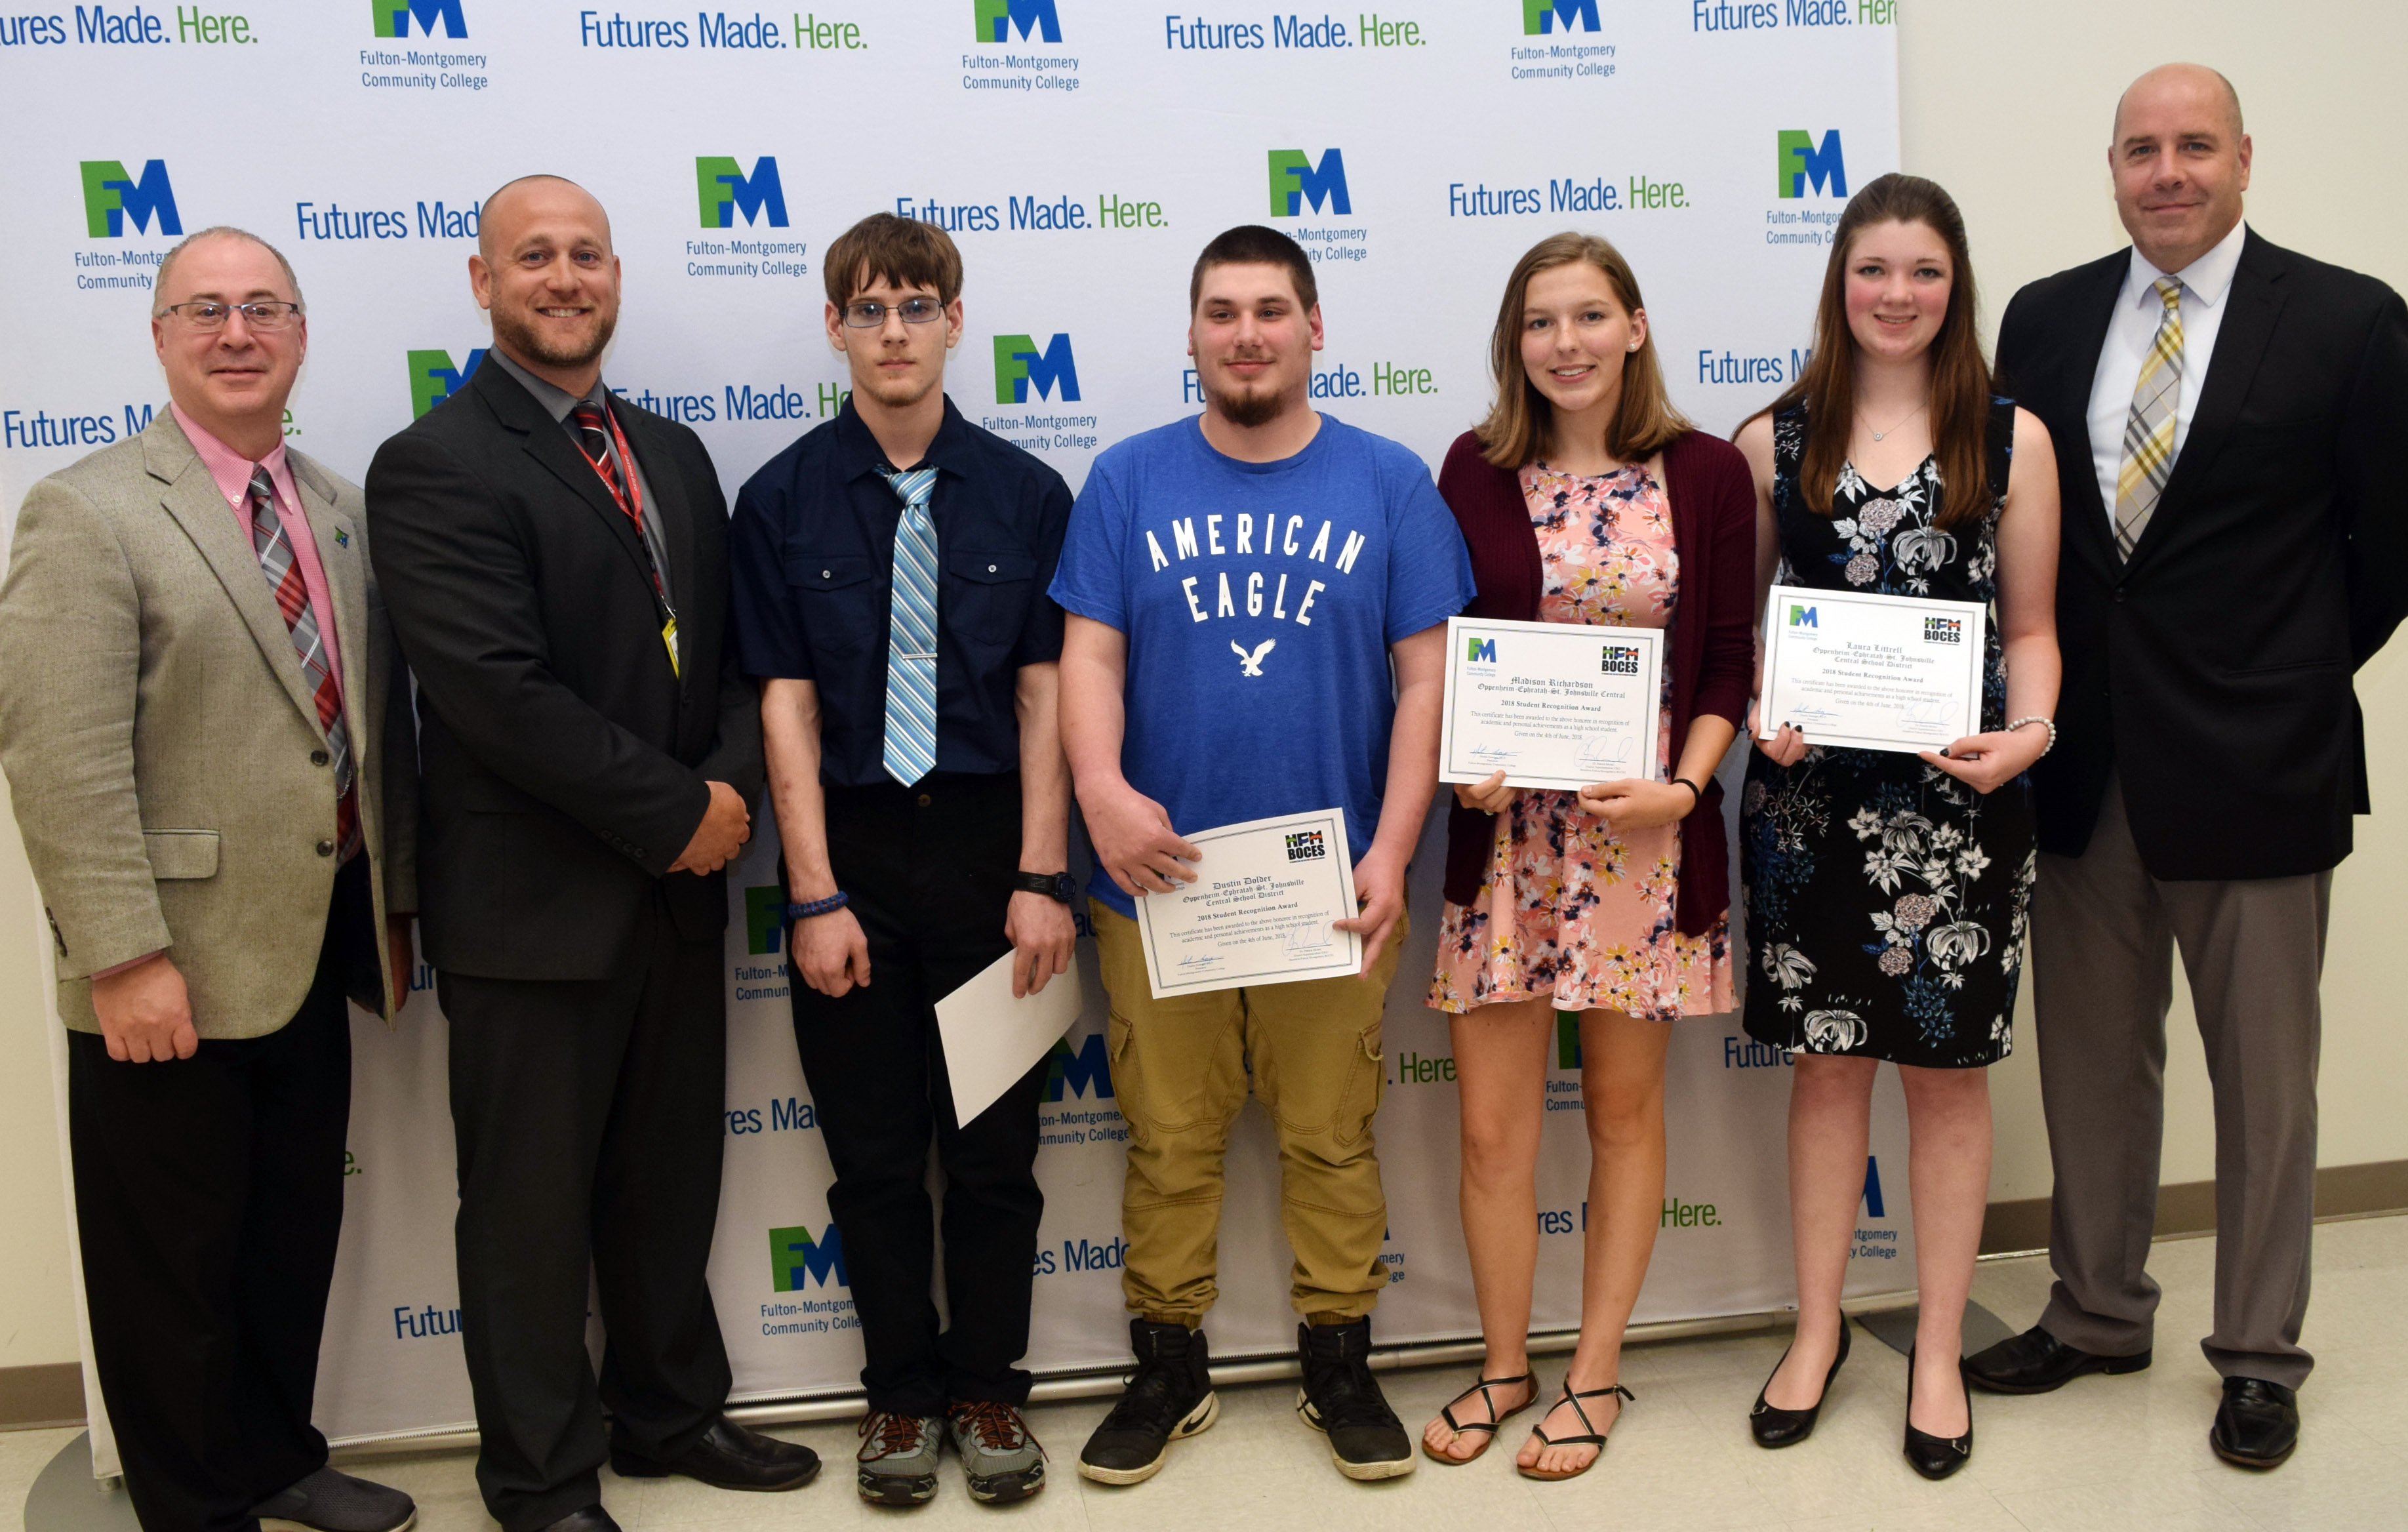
[
  {"x": 2037, "y": 1362},
  {"x": 729, "y": 1456},
  {"x": 1774, "y": 1427},
  {"x": 591, "y": 1519},
  {"x": 2258, "y": 1425},
  {"x": 1936, "y": 1458}
]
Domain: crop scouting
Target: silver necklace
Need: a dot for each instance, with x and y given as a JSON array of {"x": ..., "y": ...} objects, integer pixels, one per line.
[{"x": 1885, "y": 435}]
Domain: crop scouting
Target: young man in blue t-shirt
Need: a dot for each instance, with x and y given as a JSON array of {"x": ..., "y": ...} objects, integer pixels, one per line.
[{"x": 1236, "y": 586}]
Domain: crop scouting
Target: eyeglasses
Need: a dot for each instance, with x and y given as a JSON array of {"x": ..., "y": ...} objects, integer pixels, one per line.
[
  {"x": 867, "y": 315},
  {"x": 269, "y": 315}
]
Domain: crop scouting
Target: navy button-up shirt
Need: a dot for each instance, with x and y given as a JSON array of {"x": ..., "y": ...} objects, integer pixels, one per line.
[{"x": 812, "y": 555}]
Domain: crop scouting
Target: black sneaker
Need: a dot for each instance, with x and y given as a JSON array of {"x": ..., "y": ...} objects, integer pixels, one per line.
[
  {"x": 1341, "y": 1399},
  {"x": 1169, "y": 1395}
]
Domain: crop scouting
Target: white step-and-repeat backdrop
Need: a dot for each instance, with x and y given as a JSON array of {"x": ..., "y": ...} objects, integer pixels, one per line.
[{"x": 1081, "y": 151}]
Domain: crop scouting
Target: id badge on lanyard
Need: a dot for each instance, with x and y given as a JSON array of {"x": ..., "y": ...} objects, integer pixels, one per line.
[{"x": 632, "y": 505}]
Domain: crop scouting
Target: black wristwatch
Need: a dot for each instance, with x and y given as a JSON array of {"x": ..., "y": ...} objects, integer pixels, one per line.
[{"x": 1054, "y": 885}]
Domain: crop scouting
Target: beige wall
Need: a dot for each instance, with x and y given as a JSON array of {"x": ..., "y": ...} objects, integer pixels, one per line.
[{"x": 2008, "y": 107}]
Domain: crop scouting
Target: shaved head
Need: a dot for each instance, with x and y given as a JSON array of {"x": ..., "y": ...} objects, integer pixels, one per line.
[
  {"x": 497, "y": 206},
  {"x": 2192, "y": 84}
]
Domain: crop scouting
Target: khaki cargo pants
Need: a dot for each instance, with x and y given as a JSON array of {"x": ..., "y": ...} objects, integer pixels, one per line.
[{"x": 1181, "y": 1069}]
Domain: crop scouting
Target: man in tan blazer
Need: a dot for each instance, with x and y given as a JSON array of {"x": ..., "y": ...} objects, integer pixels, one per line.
[{"x": 206, "y": 728}]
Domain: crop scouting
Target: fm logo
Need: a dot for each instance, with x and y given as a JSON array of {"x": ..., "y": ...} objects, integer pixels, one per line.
[
  {"x": 1084, "y": 1072},
  {"x": 1872, "y": 1188},
  {"x": 1480, "y": 651},
  {"x": 433, "y": 379},
  {"x": 1540, "y": 17},
  {"x": 110, "y": 196},
  {"x": 1803, "y": 617},
  {"x": 765, "y": 919},
  {"x": 1801, "y": 164},
  {"x": 796, "y": 1259},
  {"x": 1568, "y": 1048},
  {"x": 1019, "y": 365},
  {"x": 393, "y": 17},
  {"x": 724, "y": 191},
  {"x": 994, "y": 20},
  {"x": 1297, "y": 181}
]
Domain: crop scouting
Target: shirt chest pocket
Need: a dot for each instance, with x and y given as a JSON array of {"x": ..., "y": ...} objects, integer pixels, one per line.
[
  {"x": 841, "y": 600},
  {"x": 986, "y": 593}
]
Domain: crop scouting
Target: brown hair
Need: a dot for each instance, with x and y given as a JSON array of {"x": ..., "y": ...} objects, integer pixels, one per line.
[
  {"x": 903, "y": 250},
  {"x": 1960, "y": 376},
  {"x": 1521, "y": 421},
  {"x": 1253, "y": 245}
]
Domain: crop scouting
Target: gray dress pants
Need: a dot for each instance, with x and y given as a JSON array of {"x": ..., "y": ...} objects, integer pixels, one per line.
[{"x": 2103, "y": 938}]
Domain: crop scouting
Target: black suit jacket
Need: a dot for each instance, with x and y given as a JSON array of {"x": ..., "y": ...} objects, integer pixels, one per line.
[
  {"x": 563, "y": 761},
  {"x": 2213, "y": 670}
]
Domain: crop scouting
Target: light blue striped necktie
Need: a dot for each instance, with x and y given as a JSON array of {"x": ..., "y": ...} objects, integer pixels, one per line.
[{"x": 912, "y": 634}]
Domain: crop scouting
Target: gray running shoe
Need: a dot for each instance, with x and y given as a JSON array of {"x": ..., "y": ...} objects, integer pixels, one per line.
[
  {"x": 1001, "y": 1455},
  {"x": 328, "y": 1501},
  {"x": 897, "y": 1465}
]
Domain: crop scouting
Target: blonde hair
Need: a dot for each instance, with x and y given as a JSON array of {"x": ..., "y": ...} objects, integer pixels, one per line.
[{"x": 1520, "y": 422}]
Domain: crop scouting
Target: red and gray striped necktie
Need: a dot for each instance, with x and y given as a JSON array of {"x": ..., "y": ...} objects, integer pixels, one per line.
[{"x": 284, "y": 574}]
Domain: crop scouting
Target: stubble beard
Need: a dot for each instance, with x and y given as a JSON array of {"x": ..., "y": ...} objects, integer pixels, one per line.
[{"x": 524, "y": 337}]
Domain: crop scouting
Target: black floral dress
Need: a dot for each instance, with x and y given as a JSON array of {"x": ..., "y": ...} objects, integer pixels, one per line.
[{"x": 1887, "y": 900}]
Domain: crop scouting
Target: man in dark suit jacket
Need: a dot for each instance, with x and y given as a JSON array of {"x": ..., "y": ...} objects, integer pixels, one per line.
[
  {"x": 2235, "y": 546},
  {"x": 556, "y": 564}
]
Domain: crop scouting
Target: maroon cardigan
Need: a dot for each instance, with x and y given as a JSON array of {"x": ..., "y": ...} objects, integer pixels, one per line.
[{"x": 1712, "y": 630}]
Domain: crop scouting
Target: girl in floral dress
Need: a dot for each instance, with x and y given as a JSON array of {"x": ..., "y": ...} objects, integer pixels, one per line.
[
  {"x": 1887, "y": 891},
  {"x": 1586, "y": 498}
]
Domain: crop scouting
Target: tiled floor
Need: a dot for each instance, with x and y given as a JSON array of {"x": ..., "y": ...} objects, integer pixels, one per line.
[{"x": 2126, "y": 1454}]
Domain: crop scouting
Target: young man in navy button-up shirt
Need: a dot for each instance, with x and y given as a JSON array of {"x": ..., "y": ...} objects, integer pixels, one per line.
[{"x": 910, "y": 878}]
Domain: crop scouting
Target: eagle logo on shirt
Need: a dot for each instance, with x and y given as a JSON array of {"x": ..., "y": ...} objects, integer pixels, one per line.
[{"x": 1251, "y": 665}]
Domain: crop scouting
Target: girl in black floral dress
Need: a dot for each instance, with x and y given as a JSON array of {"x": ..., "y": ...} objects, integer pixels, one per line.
[{"x": 1887, "y": 891}]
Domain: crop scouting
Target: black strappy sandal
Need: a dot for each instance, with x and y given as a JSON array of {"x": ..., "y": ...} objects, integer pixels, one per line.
[
  {"x": 1591, "y": 1436},
  {"x": 1487, "y": 1426}
]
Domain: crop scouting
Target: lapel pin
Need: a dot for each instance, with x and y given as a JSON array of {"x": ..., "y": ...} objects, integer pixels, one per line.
[{"x": 342, "y": 539}]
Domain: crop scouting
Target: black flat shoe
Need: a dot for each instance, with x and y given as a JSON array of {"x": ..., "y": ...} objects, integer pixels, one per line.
[
  {"x": 2258, "y": 1425},
  {"x": 2037, "y": 1362},
  {"x": 1774, "y": 1427},
  {"x": 1936, "y": 1458}
]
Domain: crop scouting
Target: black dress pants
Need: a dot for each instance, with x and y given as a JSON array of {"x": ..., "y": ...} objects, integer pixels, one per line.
[
  {"x": 929, "y": 872},
  {"x": 587, "y": 1117},
  {"x": 209, "y": 1201}
]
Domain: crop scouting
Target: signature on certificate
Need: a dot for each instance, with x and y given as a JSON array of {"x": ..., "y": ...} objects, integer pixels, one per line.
[{"x": 1925, "y": 712}]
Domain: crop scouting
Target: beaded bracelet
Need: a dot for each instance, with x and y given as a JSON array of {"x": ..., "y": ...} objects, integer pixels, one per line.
[
  {"x": 817, "y": 907},
  {"x": 2048, "y": 723}
]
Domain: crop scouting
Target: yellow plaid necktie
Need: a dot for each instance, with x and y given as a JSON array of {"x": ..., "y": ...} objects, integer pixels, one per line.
[{"x": 2149, "y": 430}]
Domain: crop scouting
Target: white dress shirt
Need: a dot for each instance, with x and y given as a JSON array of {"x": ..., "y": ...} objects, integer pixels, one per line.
[{"x": 2205, "y": 284}]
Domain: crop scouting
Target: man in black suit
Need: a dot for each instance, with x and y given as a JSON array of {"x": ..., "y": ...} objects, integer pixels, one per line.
[
  {"x": 555, "y": 561},
  {"x": 2235, "y": 546}
]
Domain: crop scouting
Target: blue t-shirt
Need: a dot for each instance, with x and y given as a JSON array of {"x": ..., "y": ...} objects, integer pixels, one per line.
[{"x": 1259, "y": 600}]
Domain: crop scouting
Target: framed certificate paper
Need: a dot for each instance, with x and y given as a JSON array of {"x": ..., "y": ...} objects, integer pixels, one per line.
[
  {"x": 1259, "y": 910},
  {"x": 1556, "y": 705},
  {"x": 1872, "y": 672}
]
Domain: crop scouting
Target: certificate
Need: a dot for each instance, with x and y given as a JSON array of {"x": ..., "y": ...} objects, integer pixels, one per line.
[
  {"x": 1556, "y": 705},
  {"x": 1872, "y": 672},
  {"x": 1260, "y": 909},
  {"x": 990, "y": 1039}
]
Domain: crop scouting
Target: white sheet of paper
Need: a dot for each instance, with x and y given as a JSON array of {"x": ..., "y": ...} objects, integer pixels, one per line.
[
  {"x": 1554, "y": 705},
  {"x": 1259, "y": 911},
  {"x": 990, "y": 1039},
  {"x": 1872, "y": 672}
]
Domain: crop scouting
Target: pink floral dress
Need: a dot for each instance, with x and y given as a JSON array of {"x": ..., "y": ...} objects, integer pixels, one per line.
[{"x": 1567, "y": 911}]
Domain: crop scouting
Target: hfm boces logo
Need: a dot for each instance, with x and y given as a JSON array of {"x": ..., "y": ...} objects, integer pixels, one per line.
[
  {"x": 393, "y": 17},
  {"x": 997, "y": 21},
  {"x": 433, "y": 379},
  {"x": 1543, "y": 17},
  {"x": 1801, "y": 164},
  {"x": 1297, "y": 182},
  {"x": 1019, "y": 367},
  {"x": 797, "y": 1260},
  {"x": 112, "y": 198},
  {"x": 724, "y": 191}
]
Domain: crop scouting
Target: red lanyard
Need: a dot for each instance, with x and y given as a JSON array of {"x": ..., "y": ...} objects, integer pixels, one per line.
[{"x": 631, "y": 503}]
